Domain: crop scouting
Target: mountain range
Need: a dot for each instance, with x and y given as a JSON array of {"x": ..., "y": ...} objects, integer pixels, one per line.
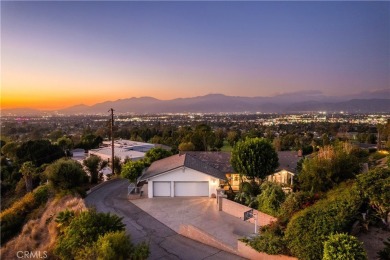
[{"x": 305, "y": 101}]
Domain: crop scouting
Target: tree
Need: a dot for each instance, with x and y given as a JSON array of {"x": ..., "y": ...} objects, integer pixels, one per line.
[
  {"x": 64, "y": 218},
  {"x": 55, "y": 135},
  {"x": 66, "y": 174},
  {"x": 92, "y": 163},
  {"x": 132, "y": 170},
  {"x": 187, "y": 146},
  {"x": 90, "y": 141},
  {"x": 219, "y": 137},
  {"x": 202, "y": 137},
  {"x": 9, "y": 150},
  {"x": 28, "y": 171},
  {"x": 375, "y": 185},
  {"x": 117, "y": 165},
  {"x": 65, "y": 143},
  {"x": 232, "y": 137},
  {"x": 343, "y": 247},
  {"x": 156, "y": 154},
  {"x": 254, "y": 158},
  {"x": 271, "y": 198},
  {"x": 330, "y": 166},
  {"x": 38, "y": 152}
]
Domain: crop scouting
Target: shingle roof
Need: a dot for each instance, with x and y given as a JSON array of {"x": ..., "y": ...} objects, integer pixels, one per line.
[
  {"x": 218, "y": 160},
  {"x": 288, "y": 161},
  {"x": 176, "y": 161}
]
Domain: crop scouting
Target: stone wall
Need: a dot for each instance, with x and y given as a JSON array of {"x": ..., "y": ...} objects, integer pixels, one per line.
[{"x": 237, "y": 210}]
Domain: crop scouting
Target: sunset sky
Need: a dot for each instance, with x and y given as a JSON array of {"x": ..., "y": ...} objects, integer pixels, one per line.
[{"x": 58, "y": 54}]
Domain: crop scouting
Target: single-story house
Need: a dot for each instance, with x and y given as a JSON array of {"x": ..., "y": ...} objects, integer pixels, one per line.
[
  {"x": 182, "y": 175},
  {"x": 284, "y": 174},
  {"x": 105, "y": 153}
]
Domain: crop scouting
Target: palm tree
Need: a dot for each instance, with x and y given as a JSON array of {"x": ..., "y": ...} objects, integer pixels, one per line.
[{"x": 28, "y": 169}]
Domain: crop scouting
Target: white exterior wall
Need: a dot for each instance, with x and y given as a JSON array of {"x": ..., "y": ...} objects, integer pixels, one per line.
[{"x": 184, "y": 174}]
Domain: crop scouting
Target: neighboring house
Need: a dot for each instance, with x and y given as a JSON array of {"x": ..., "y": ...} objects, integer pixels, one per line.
[
  {"x": 287, "y": 168},
  {"x": 182, "y": 175},
  {"x": 78, "y": 154},
  {"x": 123, "y": 153},
  {"x": 221, "y": 161},
  {"x": 106, "y": 173},
  {"x": 123, "y": 149}
]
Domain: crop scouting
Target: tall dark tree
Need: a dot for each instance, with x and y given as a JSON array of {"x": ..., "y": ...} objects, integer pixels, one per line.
[
  {"x": 202, "y": 137},
  {"x": 66, "y": 174},
  {"x": 254, "y": 158},
  {"x": 92, "y": 163},
  {"x": 28, "y": 171},
  {"x": 38, "y": 152},
  {"x": 156, "y": 154},
  {"x": 90, "y": 141}
]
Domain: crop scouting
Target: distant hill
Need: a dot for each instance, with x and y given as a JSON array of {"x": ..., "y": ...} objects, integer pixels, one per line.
[{"x": 213, "y": 103}]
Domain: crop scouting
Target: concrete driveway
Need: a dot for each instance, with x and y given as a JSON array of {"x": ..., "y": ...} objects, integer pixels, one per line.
[
  {"x": 164, "y": 242},
  {"x": 200, "y": 212}
]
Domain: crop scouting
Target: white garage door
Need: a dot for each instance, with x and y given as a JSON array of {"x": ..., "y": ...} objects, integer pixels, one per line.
[
  {"x": 161, "y": 189},
  {"x": 183, "y": 188}
]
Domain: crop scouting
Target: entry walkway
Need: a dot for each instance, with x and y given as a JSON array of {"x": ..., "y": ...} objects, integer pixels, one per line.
[{"x": 199, "y": 212}]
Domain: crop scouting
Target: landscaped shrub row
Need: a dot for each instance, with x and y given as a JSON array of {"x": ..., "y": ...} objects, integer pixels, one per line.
[
  {"x": 308, "y": 229},
  {"x": 271, "y": 240},
  {"x": 12, "y": 219}
]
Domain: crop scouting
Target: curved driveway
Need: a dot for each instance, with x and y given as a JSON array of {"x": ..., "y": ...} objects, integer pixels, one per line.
[{"x": 164, "y": 242}]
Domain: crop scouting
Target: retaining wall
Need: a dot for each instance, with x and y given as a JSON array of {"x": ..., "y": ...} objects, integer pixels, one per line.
[
  {"x": 250, "y": 253},
  {"x": 237, "y": 210}
]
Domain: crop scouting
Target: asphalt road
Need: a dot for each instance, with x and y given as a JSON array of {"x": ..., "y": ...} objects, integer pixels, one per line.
[{"x": 164, "y": 243}]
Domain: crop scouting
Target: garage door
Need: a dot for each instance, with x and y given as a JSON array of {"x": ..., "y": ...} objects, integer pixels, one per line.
[
  {"x": 161, "y": 189},
  {"x": 183, "y": 189}
]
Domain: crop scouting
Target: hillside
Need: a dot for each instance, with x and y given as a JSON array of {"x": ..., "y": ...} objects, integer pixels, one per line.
[{"x": 40, "y": 234}]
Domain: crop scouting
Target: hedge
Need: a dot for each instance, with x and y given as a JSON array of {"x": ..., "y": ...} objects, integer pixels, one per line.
[{"x": 308, "y": 229}]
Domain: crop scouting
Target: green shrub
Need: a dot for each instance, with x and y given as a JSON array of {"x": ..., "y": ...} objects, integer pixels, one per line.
[
  {"x": 375, "y": 185},
  {"x": 66, "y": 174},
  {"x": 295, "y": 202},
  {"x": 309, "y": 228},
  {"x": 384, "y": 254},
  {"x": 343, "y": 247},
  {"x": 270, "y": 198},
  {"x": 330, "y": 166},
  {"x": 270, "y": 240},
  {"x": 84, "y": 230},
  {"x": 114, "y": 245},
  {"x": 13, "y": 218},
  {"x": 41, "y": 194}
]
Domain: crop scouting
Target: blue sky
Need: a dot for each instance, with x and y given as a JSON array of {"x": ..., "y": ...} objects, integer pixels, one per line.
[{"x": 88, "y": 52}]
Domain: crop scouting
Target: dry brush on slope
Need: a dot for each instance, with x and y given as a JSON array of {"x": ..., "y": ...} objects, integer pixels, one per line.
[{"x": 40, "y": 234}]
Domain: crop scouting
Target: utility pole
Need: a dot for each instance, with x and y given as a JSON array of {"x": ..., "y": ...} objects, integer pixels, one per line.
[{"x": 112, "y": 140}]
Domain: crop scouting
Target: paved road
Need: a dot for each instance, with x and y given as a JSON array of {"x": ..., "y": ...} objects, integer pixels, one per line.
[{"x": 164, "y": 242}]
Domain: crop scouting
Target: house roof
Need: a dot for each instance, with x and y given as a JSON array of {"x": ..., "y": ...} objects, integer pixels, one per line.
[
  {"x": 218, "y": 160},
  {"x": 288, "y": 161},
  {"x": 176, "y": 161}
]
